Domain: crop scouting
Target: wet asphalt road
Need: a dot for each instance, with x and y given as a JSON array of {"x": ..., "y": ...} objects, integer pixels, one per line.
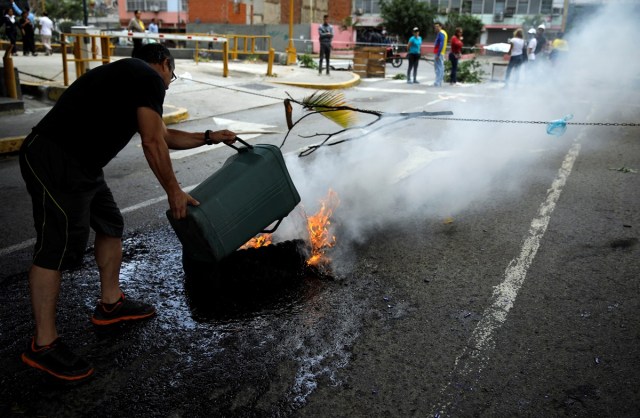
[{"x": 402, "y": 325}]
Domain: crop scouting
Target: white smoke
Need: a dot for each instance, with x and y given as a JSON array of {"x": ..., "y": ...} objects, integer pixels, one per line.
[{"x": 431, "y": 170}]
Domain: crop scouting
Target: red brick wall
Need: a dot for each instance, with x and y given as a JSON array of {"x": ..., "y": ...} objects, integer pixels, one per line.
[
  {"x": 339, "y": 10},
  {"x": 284, "y": 11},
  {"x": 217, "y": 11}
]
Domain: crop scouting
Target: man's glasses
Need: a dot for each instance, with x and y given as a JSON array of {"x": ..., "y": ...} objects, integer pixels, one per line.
[{"x": 172, "y": 68}]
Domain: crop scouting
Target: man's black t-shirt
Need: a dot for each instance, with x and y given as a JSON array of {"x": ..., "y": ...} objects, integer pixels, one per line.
[
  {"x": 97, "y": 115},
  {"x": 541, "y": 41}
]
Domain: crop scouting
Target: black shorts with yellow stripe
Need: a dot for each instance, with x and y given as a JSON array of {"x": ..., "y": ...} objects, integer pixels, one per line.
[{"x": 68, "y": 201}]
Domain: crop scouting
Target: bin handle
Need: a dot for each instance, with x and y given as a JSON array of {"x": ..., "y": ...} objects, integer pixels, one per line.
[
  {"x": 272, "y": 230},
  {"x": 249, "y": 146}
]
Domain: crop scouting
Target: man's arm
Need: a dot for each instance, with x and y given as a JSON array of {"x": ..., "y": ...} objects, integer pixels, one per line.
[
  {"x": 152, "y": 131},
  {"x": 439, "y": 44},
  {"x": 177, "y": 139},
  {"x": 156, "y": 142},
  {"x": 16, "y": 8}
]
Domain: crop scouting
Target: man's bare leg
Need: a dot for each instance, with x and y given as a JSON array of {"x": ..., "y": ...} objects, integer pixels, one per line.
[
  {"x": 108, "y": 251},
  {"x": 45, "y": 288}
]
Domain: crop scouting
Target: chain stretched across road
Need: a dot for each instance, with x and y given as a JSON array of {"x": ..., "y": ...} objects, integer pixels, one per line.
[{"x": 535, "y": 122}]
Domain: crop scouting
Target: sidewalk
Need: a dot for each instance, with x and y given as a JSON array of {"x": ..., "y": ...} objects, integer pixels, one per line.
[{"x": 42, "y": 81}]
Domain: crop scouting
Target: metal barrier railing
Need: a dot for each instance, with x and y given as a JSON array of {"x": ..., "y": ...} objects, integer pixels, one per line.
[
  {"x": 83, "y": 55},
  {"x": 87, "y": 48},
  {"x": 241, "y": 44},
  {"x": 248, "y": 45}
]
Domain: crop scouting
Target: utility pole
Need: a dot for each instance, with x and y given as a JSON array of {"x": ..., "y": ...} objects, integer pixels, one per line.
[{"x": 291, "y": 50}]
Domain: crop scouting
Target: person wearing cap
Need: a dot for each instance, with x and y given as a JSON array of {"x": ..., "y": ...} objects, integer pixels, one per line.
[
  {"x": 439, "y": 49},
  {"x": 541, "y": 41},
  {"x": 531, "y": 45},
  {"x": 415, "y": 42}
]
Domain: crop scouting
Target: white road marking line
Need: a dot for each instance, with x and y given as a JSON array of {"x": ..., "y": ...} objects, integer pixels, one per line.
[
  {"x": 400, "y": 91},
  {"x": 24, "y": 244},
  {"x": 17, "y": 247},
  {"x": 473, "y": 359}
]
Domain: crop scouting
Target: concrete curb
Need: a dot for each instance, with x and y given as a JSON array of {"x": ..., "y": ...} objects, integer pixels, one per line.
[
  {"x": 355, "y": 80},
  {"x": 12, "y": 144}
]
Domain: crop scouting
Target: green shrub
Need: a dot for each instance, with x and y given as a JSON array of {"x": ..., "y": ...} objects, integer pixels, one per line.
[
  {"x": 469, "y": 71},
  {"x": 307, "y": 61}
]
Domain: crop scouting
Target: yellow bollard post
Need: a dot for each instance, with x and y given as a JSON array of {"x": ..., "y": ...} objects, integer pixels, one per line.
[
  {"x": 105, "y": 47},
  {"x": 292, "y": 56},
  {"x": 65, "y": 70},
  {"x": 225, "y": 59},
  {"x": 9, "y": 74},
  {"x": 77, "y": 56},
  {"x": 272, "y": 53}
]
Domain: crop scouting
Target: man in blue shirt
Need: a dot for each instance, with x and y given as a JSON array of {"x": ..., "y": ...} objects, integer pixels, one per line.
[{"x": 325, "y": 32}]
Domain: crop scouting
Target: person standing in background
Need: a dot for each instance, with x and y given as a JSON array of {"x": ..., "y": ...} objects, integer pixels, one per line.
[
  {"x": 455, "y": 54},
  {"x": 11, "y": 29},
  {"x": 415, "y": 42},
  {"x": 136, "y": 25},
  {"x": 153, "y": 26},
  {"x": 532, "y": 46},
  {"x": 541, "y": 43},
  {"x": 46, "y": 30},
  {"x": 516, "y": 51},
  {"x": 439, "y": 49},
  {"x": 325, "y": 32},
  {"x": 559, "y": 49},
  {"x": 28, "y": 35}
]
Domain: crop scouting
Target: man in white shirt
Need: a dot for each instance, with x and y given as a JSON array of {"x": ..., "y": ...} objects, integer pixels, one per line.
[
  {"x": 531, "y": 45},
  {"x": 46, "y": 30}
]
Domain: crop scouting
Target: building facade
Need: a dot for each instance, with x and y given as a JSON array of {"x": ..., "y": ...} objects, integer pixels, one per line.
[
  {"x": 500, "y": 17},
  {"x": 178, "y": 13}
]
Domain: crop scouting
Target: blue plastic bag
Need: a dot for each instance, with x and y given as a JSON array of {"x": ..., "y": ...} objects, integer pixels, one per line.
[{"x": 559, "y": 126}]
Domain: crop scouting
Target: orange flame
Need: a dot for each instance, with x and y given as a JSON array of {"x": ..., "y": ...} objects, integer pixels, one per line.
[
  {"x": 258, "y": 241},
  {"x": 318, "y": 227}
]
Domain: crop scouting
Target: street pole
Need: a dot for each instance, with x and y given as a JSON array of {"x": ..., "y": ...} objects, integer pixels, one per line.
[
  {"x": 86, "y": 13},
  {"x": 291, "y": 51},
  {"x": 564, "y": 15}
]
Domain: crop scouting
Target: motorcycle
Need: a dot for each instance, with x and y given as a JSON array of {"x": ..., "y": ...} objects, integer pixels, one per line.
[{"x": 393, "y": 56}]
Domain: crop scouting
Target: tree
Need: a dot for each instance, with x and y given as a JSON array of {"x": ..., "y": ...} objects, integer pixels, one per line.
[
  {"x": 471, "y": 27},
  {"x": 532, "y": 21},
  {"x": 65, "y": 10},
  {"x": 400, "y": 16}
]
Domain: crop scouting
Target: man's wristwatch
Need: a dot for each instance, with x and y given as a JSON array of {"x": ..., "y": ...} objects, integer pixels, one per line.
[{"x": 207, "y": 138}]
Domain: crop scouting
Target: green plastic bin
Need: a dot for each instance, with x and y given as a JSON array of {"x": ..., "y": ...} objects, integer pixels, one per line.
[{"x": 251, "y": 191}]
